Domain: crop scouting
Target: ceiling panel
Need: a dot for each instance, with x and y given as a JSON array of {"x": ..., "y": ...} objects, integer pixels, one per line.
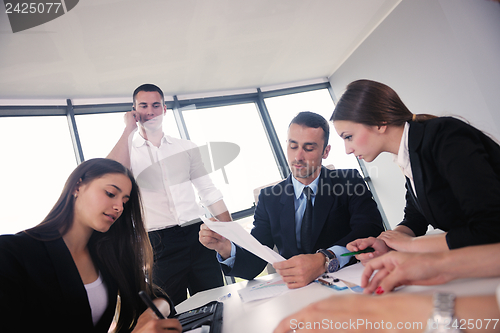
[{"x": 106, "y": 48}]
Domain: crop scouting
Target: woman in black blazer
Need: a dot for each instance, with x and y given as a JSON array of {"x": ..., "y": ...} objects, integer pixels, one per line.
[
  {"x": 452, "y": 170},
  {"x": 65, "y": 274}
]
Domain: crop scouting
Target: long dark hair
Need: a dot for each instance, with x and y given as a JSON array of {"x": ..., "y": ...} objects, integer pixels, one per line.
[
  {"x": 124, "y": 249},
  {"x": 374, "y": 104}
]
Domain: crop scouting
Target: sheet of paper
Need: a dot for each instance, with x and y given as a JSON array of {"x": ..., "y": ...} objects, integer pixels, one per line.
[
  {"x": 329, "y": 281},
  {"x": 350, "y": 274},
  {"x": 202, "y": 329},
  {"x": 235, "y": 233},
  {"x": 263, "y": 290},
  {"x": 349, "y": 277}
]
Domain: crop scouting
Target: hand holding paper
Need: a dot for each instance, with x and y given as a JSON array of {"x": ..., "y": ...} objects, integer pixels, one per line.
[
  {"x": 213, "y": 241},
  {"x": 235, "y": 233}
]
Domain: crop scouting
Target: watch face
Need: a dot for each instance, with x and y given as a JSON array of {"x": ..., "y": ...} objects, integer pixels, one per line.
[{"x": 333, "y": 265}]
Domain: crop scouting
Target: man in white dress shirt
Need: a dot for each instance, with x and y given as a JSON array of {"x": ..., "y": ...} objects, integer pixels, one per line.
[{"x": 166, "y": 169}]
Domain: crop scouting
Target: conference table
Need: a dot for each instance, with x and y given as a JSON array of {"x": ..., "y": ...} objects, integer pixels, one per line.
[{"x": 264, "y": 315}]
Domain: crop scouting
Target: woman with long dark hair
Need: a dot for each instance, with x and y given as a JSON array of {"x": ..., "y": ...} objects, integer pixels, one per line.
[
  {"x": 85, "y": 263},
  {"x": 452, "y": 170}
]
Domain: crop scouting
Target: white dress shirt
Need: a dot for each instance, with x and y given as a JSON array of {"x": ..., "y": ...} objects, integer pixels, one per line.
[
  {"x": 402, "y": 159},
  {"x": 166, "y": 175}
]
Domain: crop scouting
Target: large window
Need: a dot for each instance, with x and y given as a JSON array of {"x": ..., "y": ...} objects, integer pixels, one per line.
[
  {"x": 253, "y": 167},
  {"x": 246, "y": 145},
  {"x": 100, "y": 132},
  {"x": 37, "y": 158},
  {"x": 282, "y": 109}
]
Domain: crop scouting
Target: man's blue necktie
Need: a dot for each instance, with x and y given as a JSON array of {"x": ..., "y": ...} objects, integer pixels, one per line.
[{"x": 306, "y": 228}]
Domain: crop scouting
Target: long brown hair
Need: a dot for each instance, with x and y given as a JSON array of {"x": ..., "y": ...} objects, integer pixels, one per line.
[
  {"x": 374, "y": 104},
  {"x": 124, "y": 249}
]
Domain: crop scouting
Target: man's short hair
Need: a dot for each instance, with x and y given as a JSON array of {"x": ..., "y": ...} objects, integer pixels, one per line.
[
  {"x": 148, "y": 87},
  {"x": 313, "y": 120}
]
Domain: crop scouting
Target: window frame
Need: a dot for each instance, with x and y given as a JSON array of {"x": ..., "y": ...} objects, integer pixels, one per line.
[{"x": 177, "y": 103}]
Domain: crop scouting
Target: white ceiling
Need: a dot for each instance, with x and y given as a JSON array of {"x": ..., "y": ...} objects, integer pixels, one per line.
[{"x": 106, "y": 48}]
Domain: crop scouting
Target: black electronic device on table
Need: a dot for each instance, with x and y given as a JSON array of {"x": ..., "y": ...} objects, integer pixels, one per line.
[{"x": 209, "y": 314}]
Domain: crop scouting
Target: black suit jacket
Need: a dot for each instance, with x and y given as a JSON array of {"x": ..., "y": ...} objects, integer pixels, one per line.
[
  {"x": 344, "y": 210},
  {"x": 456, "y": 171},
  {"x": 41, "y": 289}
]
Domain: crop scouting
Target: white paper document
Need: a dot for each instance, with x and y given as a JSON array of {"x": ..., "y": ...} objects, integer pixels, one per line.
[
  {"x": 351, "y": 273},
  {"x": 263, "y": 290},
  {"x": 202, "y": 329},
  {"x": 349, "y": 277},
  {"x": 236, "y": 234}
]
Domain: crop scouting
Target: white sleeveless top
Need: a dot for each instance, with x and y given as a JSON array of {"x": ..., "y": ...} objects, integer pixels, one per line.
[{"x": 98, "y": 298}]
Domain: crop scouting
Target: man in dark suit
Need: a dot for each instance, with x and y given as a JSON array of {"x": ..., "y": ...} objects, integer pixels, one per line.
[{"x": 310, "y": 216}]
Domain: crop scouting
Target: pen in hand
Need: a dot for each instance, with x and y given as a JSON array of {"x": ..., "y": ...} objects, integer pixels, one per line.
[
  {"x": 147, "y": 300},
  {"x": 367, "y": 250}
]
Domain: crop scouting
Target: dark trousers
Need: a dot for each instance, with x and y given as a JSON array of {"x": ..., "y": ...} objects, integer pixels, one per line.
[{"x": 182, "y": 263}]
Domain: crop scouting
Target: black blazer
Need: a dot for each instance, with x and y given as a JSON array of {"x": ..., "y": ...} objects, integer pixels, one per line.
[
  {"x": 344, "y": 210},
  {"x": 41, "y": 289},
  {"x": 456, "y": 171}
]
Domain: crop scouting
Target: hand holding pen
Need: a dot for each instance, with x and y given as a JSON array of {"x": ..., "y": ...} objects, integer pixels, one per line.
[
  {"x": 154, "y": 321},
  {"x": 367, "y": 250},
  {"x": 377, "y": 244}
]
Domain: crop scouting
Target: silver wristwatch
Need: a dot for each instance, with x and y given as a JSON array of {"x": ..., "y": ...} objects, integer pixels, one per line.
[
  {"x": 331, "y": 261},
  {"x": 443, "y": 318}
]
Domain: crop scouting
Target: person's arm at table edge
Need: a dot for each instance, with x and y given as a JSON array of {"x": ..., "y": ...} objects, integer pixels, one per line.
[
  {"x": 426, "y": 243},
  {"x": 468, "y": 262},
  {"x": 413, "y": 308},
  {"x": 471, "y": 262}
]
